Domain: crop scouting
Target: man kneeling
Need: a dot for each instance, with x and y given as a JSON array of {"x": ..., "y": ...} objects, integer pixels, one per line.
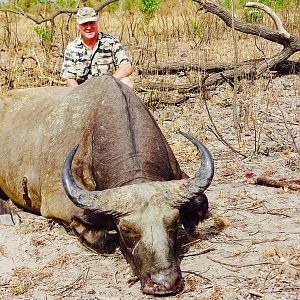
[{"x": 94, "y": 53}]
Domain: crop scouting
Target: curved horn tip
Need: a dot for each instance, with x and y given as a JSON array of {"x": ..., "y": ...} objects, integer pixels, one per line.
[
  {"x": 187, "y": 136},
  {"x": 204, "y": 176},
  {"x": 197, "y": 143},
  {"x": 74, "y": 150}
]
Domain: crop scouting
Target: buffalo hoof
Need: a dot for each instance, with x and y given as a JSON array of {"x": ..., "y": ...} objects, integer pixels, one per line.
[{"x": 7, "y": 215}]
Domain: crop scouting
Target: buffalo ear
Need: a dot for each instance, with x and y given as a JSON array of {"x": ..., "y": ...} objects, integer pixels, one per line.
[
  {"x": 98, "y": 219},
  {"x": 193, "y": 212}
]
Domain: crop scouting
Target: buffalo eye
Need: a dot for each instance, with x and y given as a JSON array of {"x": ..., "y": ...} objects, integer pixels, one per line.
[{"x": 130, "y": 237}]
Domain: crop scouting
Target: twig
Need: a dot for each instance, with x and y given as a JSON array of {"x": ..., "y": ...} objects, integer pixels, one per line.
[
  {"x": 254, "y": 242},
  {"x": 268, "y": 212},
  {"x": 277, "y": 183},
  {"x": 242, "y": 266},
  {"x": 215, "y": 130},
  {"x": 115, "y": 277},
  {"x": 257, "y": 294},
  {"x": 287, "y": 128},
  {"x": 197, "y": 274},
  {"x": 193, "y": 242},
  {"x": 60, "y": 11},
  {"x": 207, "y": 250}
]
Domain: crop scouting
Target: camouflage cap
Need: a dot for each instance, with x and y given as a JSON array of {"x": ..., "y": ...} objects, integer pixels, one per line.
[{"x": 86, "y": 14}]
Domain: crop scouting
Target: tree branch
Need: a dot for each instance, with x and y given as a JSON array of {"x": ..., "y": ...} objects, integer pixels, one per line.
[
  {"x": 273, "y": 15},
  {"x": 290, "y": 43},
  {"x": 59, "y": 11},
  {"x": 278, "y": 183},
  {"x": 253, "y": 29}
]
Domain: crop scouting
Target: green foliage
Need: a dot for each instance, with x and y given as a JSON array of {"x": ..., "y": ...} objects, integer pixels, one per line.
[
  {"x": 253, "y": 16},
  {"x": 109, "y": 8},
  {"x": 148, "y": 7},
  {"x": 26, "y": 4},
  {"x": 66, "y": 3},
  {"x": 228, "y": 3},
  {"x": 44, "y": 34},
  {"x": 275, "y": 4},
  {"x": 197, "y": 27},
  {"x": 125, "y": 5}
]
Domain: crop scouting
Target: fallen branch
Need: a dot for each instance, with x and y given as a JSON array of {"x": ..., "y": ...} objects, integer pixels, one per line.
[
  {"x": 283, "y": 67},
  {"x": 290, "y": 43},
  {"x": 174, "y": 68},
  {"x": 281, "y": 30},
  {"x": 292, "y": 185}
]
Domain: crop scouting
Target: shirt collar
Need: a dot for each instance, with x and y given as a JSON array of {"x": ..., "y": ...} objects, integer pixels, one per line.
[{"x": 79, "y": 41}]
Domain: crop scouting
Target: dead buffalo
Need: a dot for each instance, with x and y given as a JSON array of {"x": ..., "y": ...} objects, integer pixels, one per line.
[{"x": 126, "y": 177}]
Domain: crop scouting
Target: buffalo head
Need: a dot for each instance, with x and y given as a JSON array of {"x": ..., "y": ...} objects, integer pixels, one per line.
[{"x": 146, "y": 217}]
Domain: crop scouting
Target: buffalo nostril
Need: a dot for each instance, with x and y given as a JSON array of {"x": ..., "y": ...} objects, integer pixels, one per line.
[{"x": 167, "y": 280}]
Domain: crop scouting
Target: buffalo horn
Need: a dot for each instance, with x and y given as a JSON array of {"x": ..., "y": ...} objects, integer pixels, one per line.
[
  {"x": 78, "y": 195},
  {"x": 204, "y": 175}
]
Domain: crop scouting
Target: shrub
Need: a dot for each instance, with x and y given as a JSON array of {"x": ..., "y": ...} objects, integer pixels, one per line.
[
  {"x": 148, "y": 7},
  {"x": 44, "y": 34}
]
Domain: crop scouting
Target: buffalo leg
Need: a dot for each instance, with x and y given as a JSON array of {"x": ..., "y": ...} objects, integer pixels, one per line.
[
  {"x": 97, "y": 239},
  {"x": 8, "y": 216}
]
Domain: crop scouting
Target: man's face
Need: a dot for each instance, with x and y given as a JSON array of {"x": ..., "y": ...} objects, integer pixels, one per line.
[{"x": 88, "y": 30}]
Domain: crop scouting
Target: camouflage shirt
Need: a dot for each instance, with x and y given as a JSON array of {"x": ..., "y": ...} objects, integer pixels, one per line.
[{"x": 107, "y": 56}]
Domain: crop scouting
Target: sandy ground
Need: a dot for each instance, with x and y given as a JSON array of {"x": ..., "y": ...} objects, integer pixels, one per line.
[{"x": 248, "y": 249}]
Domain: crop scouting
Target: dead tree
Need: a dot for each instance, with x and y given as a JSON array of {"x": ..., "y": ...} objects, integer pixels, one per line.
[
  {"x": 290, "y": 43},
  {"x": 249, "y": 69}
]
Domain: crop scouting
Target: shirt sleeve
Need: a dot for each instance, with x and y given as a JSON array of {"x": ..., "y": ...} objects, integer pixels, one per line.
[
  {"x": 68, "y": 70},
  {"x": 119, "y": 56}
]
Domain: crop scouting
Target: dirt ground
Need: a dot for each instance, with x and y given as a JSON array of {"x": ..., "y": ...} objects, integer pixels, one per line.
[{"x": 249, "y": 248}]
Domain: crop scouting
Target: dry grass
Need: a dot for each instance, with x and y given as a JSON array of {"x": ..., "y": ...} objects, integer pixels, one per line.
[
  {"x": 25, "y": 278},
  {"x": 221, "y": 222},
  {"x": 288, "y": 258},
  {"x": 29, "y": 226}
]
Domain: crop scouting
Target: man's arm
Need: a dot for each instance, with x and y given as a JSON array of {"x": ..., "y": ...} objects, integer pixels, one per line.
[
  {"x": 123, "y": 71},
  {"x": 68, "y": 70}
]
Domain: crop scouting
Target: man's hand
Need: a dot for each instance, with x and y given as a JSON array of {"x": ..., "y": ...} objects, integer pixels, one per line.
[{"x": 71, "y": 83}]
